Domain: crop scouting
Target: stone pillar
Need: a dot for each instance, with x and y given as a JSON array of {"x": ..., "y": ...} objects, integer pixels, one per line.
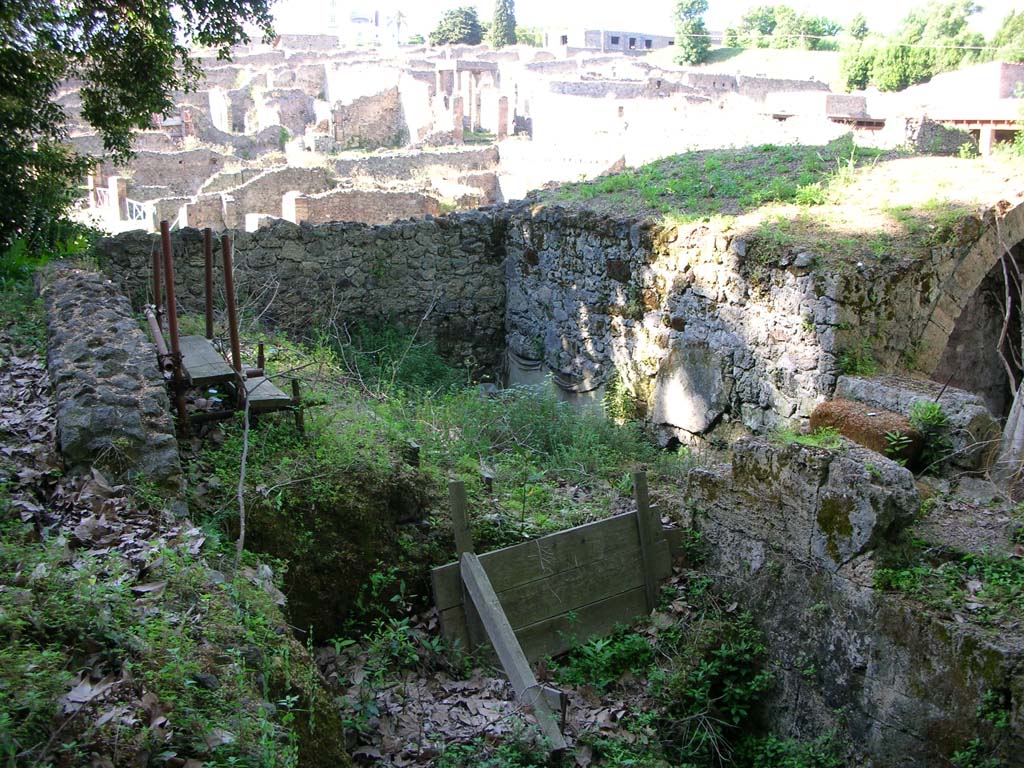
[
  {"x": 457, "y": 118},
  {"x": 470, "y": 103},
  {"x": 118, "y": 189},
  {"x": 502, "y": 118},
  {"x": 476, "y": 123},
  {"x": 986, "y": 138}
]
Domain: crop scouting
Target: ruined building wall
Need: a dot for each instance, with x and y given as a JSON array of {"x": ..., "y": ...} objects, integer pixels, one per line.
[
  {"x": 369, "y": 122},
  {"x": 714, "y": 331},
  {"x": 359, "y": 205},
  {"x": 444, "y": 273}
]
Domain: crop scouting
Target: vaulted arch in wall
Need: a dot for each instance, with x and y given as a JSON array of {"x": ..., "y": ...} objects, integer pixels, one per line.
[{"x": 958, "y": 341}]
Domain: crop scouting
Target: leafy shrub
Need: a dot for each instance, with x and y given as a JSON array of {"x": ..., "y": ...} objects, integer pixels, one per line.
[
  {"x": 601, "y": 661},
  {"x": 858, "y": 360},
  {"x": 929, "y": 418}
]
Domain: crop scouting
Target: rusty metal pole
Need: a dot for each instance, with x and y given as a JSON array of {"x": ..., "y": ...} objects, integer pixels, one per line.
[
  {"x": 208, "y": 255},
  {"x": 229, "y": 290},
  {"x": 177, "y": 378},
  {"x": 156, "y": 284},
  {"x": 261, "y": 358}
]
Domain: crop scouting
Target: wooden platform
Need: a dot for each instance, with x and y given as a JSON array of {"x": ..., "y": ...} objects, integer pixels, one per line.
[
  {"x": 264, "y": 396},
  {"x": 203, "y": 364}
]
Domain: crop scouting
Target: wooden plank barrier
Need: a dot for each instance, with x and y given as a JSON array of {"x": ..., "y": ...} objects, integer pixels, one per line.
[{"x": 561, "y": 589}]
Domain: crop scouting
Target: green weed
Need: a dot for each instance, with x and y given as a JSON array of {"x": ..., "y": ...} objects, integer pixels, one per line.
[
  {"x": 858, "y": 360},
  {"x": 824, "y": 437},
  {"x": 929, "y": 418}
]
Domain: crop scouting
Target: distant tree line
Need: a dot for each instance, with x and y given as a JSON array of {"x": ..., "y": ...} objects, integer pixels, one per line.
[
  {"x": 779, "y": 26},
  {"x": 932, "y": 39},
  {"x": 462, "y": 26}
]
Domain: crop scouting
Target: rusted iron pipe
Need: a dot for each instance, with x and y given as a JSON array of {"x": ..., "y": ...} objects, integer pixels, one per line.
[
  {"x": 156, "y": 284},
  {"x": 158, "y": 339},
  {"x": 177, "y": 377},
  {"x": 208, "y": 257},
  {"x": 229, "y": 290}
]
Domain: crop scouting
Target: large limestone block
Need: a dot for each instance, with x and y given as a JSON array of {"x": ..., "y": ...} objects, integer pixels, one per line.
[
  {"x": 973, "y": 430},
  {"x": 819, "y": 506},
  {"x": 690, "y": 392}
]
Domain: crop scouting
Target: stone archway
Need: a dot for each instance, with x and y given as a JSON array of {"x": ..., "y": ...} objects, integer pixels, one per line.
[
  {"x": 971, "y": 360},
  {"x": 1001, "y": 229}
]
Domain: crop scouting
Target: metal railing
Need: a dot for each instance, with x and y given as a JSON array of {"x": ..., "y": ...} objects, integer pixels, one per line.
[{"x": 139, "y": 211}]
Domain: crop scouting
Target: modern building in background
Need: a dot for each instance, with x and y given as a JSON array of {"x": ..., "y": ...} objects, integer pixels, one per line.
[{"x": 606, "y": 40}]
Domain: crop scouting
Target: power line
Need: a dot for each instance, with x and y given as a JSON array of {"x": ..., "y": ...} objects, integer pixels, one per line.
[{"x": 835, "y": 39}]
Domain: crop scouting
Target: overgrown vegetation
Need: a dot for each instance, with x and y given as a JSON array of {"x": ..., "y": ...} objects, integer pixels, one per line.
[
  {"x": 167, "y": 655},
  {"x": 985, "y": 589},
  {"x": 932, "y": 39},
  {"x": 698, "y": 671},
  {"x": 780, "y": 26},
  {"x": 699, "y": 184}
]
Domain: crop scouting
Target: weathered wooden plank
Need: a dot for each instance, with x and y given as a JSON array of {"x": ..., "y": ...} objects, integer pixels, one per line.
[
  {"x": 203, "y": 364},
  {"x": 511, "y": 656},
  {"x": 562, "y": 633},
  {"x": 264, "y": 396},
  {"x": 541, "y": 557},
  {"x": 538, "y": 600},
  {"x": 648, "y": 528},
  {"x": 460, "y": 518},
  {"x": 532, "y": 603}
]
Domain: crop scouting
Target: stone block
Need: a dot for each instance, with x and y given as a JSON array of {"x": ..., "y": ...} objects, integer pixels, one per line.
[
  {"x": 690, "y": 391},
  {"x": 973, "y": 430}
]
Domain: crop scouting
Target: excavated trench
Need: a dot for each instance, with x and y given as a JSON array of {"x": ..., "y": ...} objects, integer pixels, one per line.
[{"x": 710, "y": 340}]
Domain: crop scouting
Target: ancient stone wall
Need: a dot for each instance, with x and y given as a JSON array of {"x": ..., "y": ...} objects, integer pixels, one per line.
[
  {"x": 388, "y": 166},
  {"x": 758, "y": 88},
  {"x": 712, "y": 330},
  {"x": 442, "y": 275},
  {"x": 112, "y": 408},
  {"x": 677, "y": 315},
  {"x": 793, "y": 532},
  {"x": 261, "y": 194},
  {"x": 621, "y": 89},
  {"x": 368, "y": 207},
  {"x": 369, "y": 122},
  {"x": 180, "y": 173}
]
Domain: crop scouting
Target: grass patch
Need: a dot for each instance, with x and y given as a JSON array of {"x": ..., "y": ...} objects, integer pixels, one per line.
[
  {"x": 985, "y": 589},
  {"x": 700, "y": 184},
  {"x": 824, "y": 437}
]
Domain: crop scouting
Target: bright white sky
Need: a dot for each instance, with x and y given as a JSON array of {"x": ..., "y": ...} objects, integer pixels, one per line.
[{"x": 654, "y": 16}]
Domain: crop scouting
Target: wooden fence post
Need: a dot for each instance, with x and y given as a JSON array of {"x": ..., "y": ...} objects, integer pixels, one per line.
[
  {"x": 647, "y": 528},
  {"x": 464, "y": 545}
]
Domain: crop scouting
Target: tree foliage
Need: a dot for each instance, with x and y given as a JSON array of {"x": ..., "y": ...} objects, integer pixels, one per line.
[
  {"x": 780, "y": 26},
  {"x": 1008, "y": 40},
  {"x": 859, "y": 27},
  {"x": 692, "y": 39},
  {"x": 532, "y": 36},
  {"x": 130, "y": 59},
  {"x": 933, "y": 38},
  {"x": 503, "y": 28},
  {"x": 458, "y": 25}
]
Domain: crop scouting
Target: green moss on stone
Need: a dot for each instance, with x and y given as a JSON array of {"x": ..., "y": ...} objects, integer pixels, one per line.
[{"x": 834, "y": 522}]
